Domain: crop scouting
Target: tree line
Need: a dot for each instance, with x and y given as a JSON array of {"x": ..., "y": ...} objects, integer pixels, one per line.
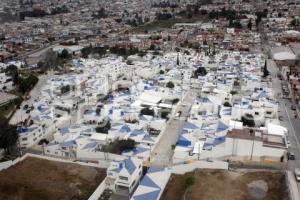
[
  {"x": 23, "y": 83},
  {"x": 37, "y": 12}
]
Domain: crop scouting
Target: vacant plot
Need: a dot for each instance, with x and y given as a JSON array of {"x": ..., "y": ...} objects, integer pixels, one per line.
[
  {"x": 36, "y": 178},
  {"x": 225, "y": 185}
]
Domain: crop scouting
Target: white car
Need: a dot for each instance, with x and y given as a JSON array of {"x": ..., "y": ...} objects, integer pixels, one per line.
[{"x": 177, "y": 115}]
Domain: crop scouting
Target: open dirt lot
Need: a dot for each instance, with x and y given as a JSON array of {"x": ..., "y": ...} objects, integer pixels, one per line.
[
  {"x": 225, "y": 185},
  {"x": 39, "y": 179}
]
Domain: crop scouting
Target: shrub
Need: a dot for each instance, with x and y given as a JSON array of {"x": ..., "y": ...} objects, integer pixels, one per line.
[{"x": 189, "y": 181}]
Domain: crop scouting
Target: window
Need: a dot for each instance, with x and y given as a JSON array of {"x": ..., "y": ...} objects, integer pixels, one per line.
[
  {"x": 48, "y": 151},
  {"x": 34, "y": 139},
  {"x": 110, "y": 174},
  {"x": 24, "y": 139},
  {"x": 256, "y": 113},
  {"x": 123, "y": 178},
  {"x": 269, "y": 112},
  {"x": 133, "y": 183}
]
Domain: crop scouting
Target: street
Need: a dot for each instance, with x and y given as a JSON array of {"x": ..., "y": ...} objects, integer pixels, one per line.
[
  {"x": 163, "y": 152},
  {"x": 289, "y": 121}
]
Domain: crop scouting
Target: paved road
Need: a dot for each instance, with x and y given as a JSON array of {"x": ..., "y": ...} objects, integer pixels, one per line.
[
  {"x": 163, "y": 152},
  {"x": 292, "y": 124},
  {"x": 27, "y": 54},
  {"x": 20, "y": 114}
]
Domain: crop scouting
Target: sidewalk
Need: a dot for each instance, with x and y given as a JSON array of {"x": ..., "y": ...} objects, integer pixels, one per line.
[{"x": 292, "y": 186}]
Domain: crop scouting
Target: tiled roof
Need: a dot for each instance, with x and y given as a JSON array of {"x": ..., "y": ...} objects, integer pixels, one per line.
[
  {"x": 189, "y": 125},
  {"x": 221, "y": 127},
  {"x": 129, "y": 165}
]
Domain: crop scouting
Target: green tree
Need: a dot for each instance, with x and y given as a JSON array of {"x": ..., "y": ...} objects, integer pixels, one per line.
[
  {"x": 265, "y": 70},
  {"x": 10, "y": 70},
  {"x": 152, "y": 47},
  {"x": 16, "y": 78},
  {"x": 100, "y": 14},
  {"x": 28, "y": 83},
  {"x": 147, "y": 111},
  {"x": 248, "y": 120},
  {"x": 237, "y": 24},
  {"x": 41, "y": 64},
  {"x": 295, "y": 23},
  {"x": 174, "y": 101},
  {"x": 227, "y": 104},
  {"x": 64, "y": 54},
  {"x": 8, "y": 135},
  {"x": 249, "y": 24},
  {"x": 65, "y": 89},
  {"x": 201, "y": 71},
  {"x": 165, "y": 114},
  {"x": 126, "y": 145},
  {"x": 170, "y": 85},
  {"x": 103, "y": 129}
]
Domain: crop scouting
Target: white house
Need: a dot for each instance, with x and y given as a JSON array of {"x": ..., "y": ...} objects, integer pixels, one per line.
[
  {"x": 123, "y": 176},
  {"x": 30, "y": 135}
]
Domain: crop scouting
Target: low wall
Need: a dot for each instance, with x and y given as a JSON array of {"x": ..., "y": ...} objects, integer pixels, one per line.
[
  {"x": 184, "y": 168},
  {"x": 166, "y": 180},
  {"x": 99, "y": 155},
  {"x": 7, "y": 164},
  {"x": 98, "y": 192},
  {"x": 293, "y": 191},
  {"x": 95, "y": 196}
]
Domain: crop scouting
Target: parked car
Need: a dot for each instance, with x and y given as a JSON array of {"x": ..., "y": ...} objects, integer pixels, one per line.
[
  {"x": 178, "y": 114},
  {"x": 25, "y": 107},
  {"x": 288, "y": 142},
  {"x": 291, "y": 156},
  {"x": 293, "y": 107},
  {"x": 297, "y": 174},
  {"x": 280, "y": 118},
  {"x": 28, "y": 111}
]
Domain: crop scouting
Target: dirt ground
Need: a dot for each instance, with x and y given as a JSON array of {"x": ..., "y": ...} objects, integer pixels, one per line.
[
  {"x": 226, "y": 185},
  {"x": 39, "y": 179}
]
